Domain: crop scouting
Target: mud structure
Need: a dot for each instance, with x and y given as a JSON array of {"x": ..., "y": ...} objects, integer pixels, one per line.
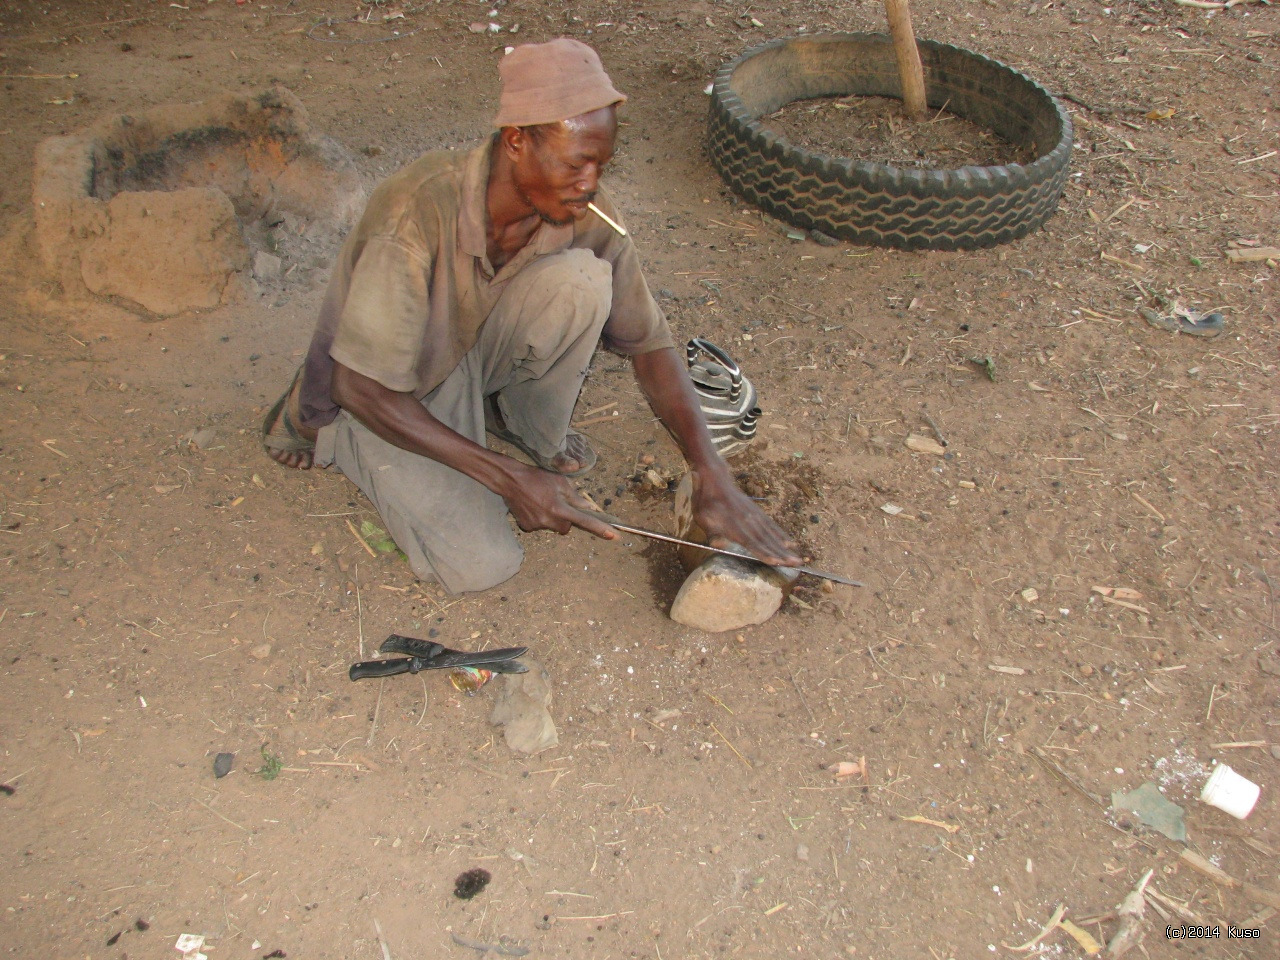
[{"x": 166, "y": 210}]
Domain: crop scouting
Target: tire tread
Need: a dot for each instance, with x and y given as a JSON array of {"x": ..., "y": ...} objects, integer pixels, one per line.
[{"x": 878, "y": 204}]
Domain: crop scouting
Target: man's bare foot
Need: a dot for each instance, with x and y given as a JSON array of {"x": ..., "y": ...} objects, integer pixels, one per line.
[
  {"x": 575, "y": 459},
  {"x": 287, "y": 441}
]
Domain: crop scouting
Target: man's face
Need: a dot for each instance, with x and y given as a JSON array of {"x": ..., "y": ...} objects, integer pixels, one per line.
[{"x": 558, "y": 170}]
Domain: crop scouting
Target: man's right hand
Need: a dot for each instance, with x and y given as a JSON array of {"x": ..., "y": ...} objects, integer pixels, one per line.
[
  {"x": 538, "y": 499},
  {"x": 542, "y": 500}
]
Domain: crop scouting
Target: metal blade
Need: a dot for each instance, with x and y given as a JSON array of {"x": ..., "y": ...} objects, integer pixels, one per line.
[
  {"x": 652, "y": 535},
  {"x": 434, "y": 656},
  {"x": 412, "y": 646}
]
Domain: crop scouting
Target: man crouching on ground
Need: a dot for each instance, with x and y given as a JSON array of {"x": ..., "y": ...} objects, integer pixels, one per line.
[{"x": 470, "y": 297}]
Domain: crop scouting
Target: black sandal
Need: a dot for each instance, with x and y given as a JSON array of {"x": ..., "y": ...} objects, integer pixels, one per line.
[{"x": 291, "y": 441}]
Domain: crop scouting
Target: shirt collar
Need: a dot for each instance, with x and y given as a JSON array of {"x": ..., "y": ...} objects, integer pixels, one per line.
[{"x": 473, "y": 216}]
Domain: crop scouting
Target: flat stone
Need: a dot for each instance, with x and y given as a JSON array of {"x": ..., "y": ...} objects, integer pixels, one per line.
[
  {"x": 521, "y": 710},
  {"x": 203, "y": 438}
]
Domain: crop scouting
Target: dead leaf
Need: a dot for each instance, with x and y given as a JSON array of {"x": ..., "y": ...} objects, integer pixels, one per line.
[
  {"x": 1082, "y": 937},
  {"x": 1119, "y": 593},
  {"x": 847, "y": 768},
  {"x": 1259, "y": 253},
  {"x": 1044, "y": 932},
  {"x": 1164, "y": 114},
  {"x": 166, "y": 487},
  {"x": 922, "y": 444},
  {"x": 949, "y": 827},
  {"x": 1012, "y": 671}
]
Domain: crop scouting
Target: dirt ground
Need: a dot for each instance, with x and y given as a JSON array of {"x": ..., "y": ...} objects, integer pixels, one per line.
[{"x": 164, "y": 601}]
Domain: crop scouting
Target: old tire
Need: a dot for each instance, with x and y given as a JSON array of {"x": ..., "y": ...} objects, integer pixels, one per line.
[{"x": 873, "y": 203}]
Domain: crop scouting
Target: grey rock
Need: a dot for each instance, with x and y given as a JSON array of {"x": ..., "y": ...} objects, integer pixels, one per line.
[
  {"x": 203, "y": 438},
  {"x": 266, "y": 266},
  {"x": 521, "y": 709}
]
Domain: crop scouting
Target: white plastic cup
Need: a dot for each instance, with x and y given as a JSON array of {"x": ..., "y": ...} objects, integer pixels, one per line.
[{"x": 1230, "y": 792}]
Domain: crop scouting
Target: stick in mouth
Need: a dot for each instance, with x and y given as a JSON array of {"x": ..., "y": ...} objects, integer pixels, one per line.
[{"x": 622, "y": 232}]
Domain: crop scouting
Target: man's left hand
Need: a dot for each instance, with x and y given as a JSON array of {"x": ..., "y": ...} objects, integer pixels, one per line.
[
  {"x": 726, "y": 513},
  {"x": 729, "y": 516}
]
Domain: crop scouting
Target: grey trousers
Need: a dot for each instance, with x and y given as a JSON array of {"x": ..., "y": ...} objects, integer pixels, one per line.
[{"x": 533, "y": 353}]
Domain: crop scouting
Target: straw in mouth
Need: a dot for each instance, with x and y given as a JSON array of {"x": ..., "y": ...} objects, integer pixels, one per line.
[{"x": 606, "y": 218}]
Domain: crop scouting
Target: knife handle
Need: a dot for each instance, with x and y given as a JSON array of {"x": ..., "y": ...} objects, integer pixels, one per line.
[{"x": 380, "y": 668}]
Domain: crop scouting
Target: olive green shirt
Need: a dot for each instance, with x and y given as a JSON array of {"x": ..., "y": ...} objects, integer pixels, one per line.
[{"x": 413, "y": 282}]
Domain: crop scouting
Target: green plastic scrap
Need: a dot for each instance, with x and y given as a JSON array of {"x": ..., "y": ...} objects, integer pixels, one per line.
[
  {"x": 1153, "y": 810},
  {"x": 988, "y": 366}
]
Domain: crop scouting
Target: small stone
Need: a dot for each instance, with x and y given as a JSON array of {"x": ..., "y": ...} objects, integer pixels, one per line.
[
  {"x": 222, "y": 764},
  {"x": 802, "y": 853},
  {"x": 203, "y": 438},
  {"x": 1086, "y": 670},
  {"x": 261, "y": 651},
  {"x": 1031, "y": 594},
  {"x": 266, "y": 266},
  {"x": 521, "y": 709}
]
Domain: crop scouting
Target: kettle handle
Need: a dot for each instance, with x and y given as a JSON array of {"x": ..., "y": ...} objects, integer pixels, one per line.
[{"x": 697, "y": 345}]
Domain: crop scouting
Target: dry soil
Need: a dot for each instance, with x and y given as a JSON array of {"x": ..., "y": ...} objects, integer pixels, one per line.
[{"x": 164, "y": 601}]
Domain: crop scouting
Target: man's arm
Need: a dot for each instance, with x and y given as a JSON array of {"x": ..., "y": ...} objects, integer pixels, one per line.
[
  {"x": 723, "y": 511},
  {"x": 538, "y": 499}
]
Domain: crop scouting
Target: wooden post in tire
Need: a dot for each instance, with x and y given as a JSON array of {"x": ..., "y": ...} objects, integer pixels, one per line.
[{"x": 908, "y": 56}]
